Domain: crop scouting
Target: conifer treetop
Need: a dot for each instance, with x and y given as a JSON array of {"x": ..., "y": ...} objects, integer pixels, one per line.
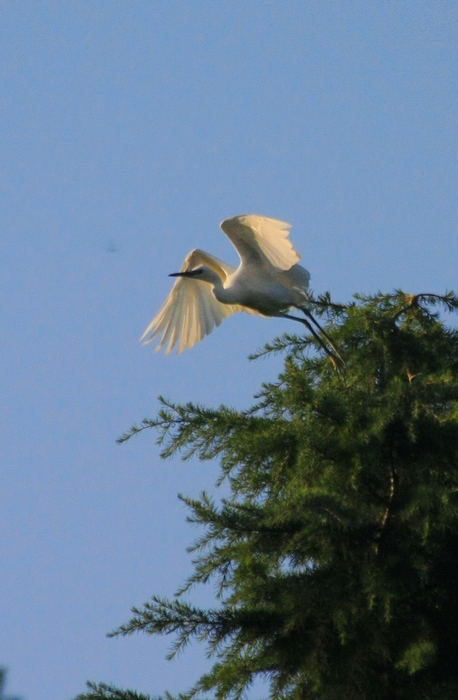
[{"x": 335, "y": 555}]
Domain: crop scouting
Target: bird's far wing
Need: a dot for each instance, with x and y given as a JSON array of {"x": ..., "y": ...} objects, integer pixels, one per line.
[
  {"x": 190, "y": 312},
  {"x": 254, "y": 236}
]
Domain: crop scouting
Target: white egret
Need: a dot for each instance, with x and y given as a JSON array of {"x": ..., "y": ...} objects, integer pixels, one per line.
[{"x": 268, "y": 282}]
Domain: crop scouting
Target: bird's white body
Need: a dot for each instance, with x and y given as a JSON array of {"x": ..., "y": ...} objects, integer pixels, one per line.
[
  {"x": 265, "y": 289},
  {"x": 268, "y": 281}
]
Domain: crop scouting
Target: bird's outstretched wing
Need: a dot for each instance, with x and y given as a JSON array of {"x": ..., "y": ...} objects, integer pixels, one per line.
[
  {"x": 190, "y": 312},
  {"x": 257, "y": 237}
]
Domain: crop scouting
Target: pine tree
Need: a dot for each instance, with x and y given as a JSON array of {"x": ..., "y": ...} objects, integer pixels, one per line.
[{"x": 336, "y": 554}]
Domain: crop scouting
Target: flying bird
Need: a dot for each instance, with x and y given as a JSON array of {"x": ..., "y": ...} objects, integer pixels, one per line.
[{"x": 268, "y": 282}]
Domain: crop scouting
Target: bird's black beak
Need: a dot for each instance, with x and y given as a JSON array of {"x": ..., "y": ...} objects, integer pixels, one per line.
[{"x": 181, "y": 274}]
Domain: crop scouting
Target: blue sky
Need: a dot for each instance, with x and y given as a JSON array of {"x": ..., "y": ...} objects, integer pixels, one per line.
[{"x": 128, "y": 131}]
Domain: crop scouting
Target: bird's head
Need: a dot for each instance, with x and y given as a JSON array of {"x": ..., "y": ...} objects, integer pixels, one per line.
[{"x": 203, "y": 273}]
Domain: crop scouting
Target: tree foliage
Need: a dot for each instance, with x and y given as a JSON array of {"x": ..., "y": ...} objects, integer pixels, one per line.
[{"x": 335, "y": 556}]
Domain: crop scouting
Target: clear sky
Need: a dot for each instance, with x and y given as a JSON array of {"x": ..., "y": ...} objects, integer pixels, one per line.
[{"x": 128, "y": 131}]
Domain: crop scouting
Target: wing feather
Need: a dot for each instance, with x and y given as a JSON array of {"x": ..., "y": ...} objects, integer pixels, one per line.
[
  {"x": 259, "y": 237},
  {"x": 190, "y": 312}
]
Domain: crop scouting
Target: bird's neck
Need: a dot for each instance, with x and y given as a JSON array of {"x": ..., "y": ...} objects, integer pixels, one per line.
[{"x": 219, "y": 292}]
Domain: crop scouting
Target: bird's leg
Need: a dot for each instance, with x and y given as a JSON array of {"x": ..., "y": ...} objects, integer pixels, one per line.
[
  {"x": 331, "y": 342},
  {"x": 336, "y": 358}
]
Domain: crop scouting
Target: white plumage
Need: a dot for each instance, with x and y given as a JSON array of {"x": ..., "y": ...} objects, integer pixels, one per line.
[
  {"x": 191, "y": 310},
  {"x": 268, "y": 282}
]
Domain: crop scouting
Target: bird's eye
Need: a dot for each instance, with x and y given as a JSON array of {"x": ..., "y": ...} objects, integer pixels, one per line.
[{"x": 198, "y": 272}]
